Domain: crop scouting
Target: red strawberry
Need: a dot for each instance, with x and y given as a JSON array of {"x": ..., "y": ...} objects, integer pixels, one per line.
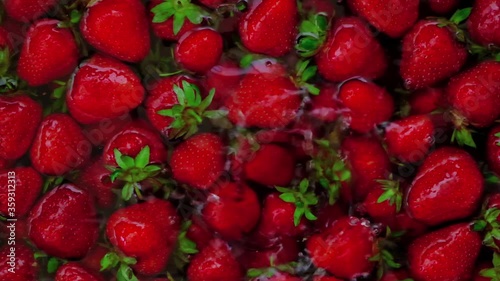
[
  {"x": 430, "y": 54},
  {"x": 383, "y": 202},
  {"x": 393, "y": 17},
  {"x": 4, "y": 164},
  {"x": 443, "y": 6},
  {"x": 277, "y": 276},
  {"x": 199, "y": 233},
  {"x": 224, "y": 207},
  {"x": 63, "y": 222},
  {"x": 101, "y": 132},
  {"x": 27, "y": 10},
  {"x": 269, "y": 27},
  {"x": 365, "y": 105},
  {"x": 493, "y": 149},
  {"x": 328, "y": 214},
  {"x": 325, "y": 278},
  {"x": 22, "y": 182},
  {"x": 447, "y": 187},
  {"x": 95, "y": 178},
  {"x": 198, "y": 161},
  {"x": 74, "y": 271},
  {"x": 266, "y": 97},
  {"x": 214, "y": 263},
  {"x": 325, "y": 105},
  {"x": 344, "y": 249},
  {"x": 447, "y": 254},
  {"x": 93, "y": 258},
  {"x": 349, "y": 51},
  {"x": 23, "y": 267},
  {"x": 146, "y": 231},
  {"x": 117, "y": 28},
  {"x": 113, "y": 83},
  {"x": 410, "y": 139},
  {"x": 215, "y": 3},
  {"x": 426, "y": 101},
  {"x": 49, "y": 52},
  {"x": 59, "y": 146},
  {"x": 484, "y": 22},
  {"x": 282, "y": 251},
  {"x": 396, "y": 275},
  {"x": 404, "y": 222},
  {"x": 199, "y": 50},
  {"x": 319, "y": 6},
  {"x": 20, "y": 119},
  {"x": 224, "y": 78}
]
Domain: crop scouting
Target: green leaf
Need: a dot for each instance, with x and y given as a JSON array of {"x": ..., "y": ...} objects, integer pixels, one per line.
[
  {"x": 142, "y": 158},
  {"x": 125, "y": 273},
  {"x": 52, "y": 265},
  {"x": 463, "y": 137},
  {"x": 386, "y": 196},
  {"x": 309, "y": 215},
  {"x": 479, "y": 225},
  {"x": 127, "y": 191},
  {"x": 75, "y": 16},
  {"x": 309, "y": 73},
  {"x": 297, "y": 215},
  {"x": 129, "y": 260},
  {"x": 178, "y": 22},
  {"x": 110, "y": 260},
  {"x": 255, "y": 272},
  {"x": 214, "y": 114},
  {"x": 187, "y": 246},
  {"x": 461, "y": 15},
  {"x": 179, "y": 92},
  {"x": 246, "y": 60},
  {"x": 39, "y": 254},
  {"x": 288, "y": 197},
  {"x": 303, "y": 186},
  {"x": 166, "y": 112},
  {"x": 283, "y": 189},
  {"x": 488, "y": 272},
  {"x": 496, "y": 259},
  {"x": 207, "y": 101},
  {"x": 150, "y": 169},
  {"x": 321, "y": 22},
  {"x": 307, "y": 27}
]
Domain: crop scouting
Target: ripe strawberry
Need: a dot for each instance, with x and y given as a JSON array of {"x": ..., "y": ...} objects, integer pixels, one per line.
[
  {"x": 426, "y": 101},
  {"x": 224, "y": 78},
  {"x": 383, "y": 202},
  {"x": 199, "y": 50},
  {"x": 110, "y": 81},
  {"x": 101, "y": 132},
  {"x": 447, "y": 254},
  {"x": 147, "y": 232},
  {"x": 215, "y": 3},
  {"x": 395, "y": 275},
  {"x": 277, "y": 276},
  {"x": 393, "y": 17},
  {"x": 4, "y": 164},
  {"x": 117, "y": 28},
  {"x": 20, "y": 119},
  {"x": 23, "y": 182},
  {"x": 269, "y": 27},
  {"x": 63, "y": 222},
  {"x": 224, "y": 207},
  {"x": 95, "y": 178},
  {"x": 328, "y": 214},
  {"x": 74, "y": 271},
  {"x": 59, "y": 146},
  {"x": 319, "y": 6},
  {"x": 49, "y": 52},
  {"x": 24, "y": 264},
  {"x": 443, "y": 6},
  {"x": 283, "y": 250},
  {"x": 325, "y": 278},
  {"x": 27, "y": 10},
  {"x": 325, "y": 106},
  {"x": 351, "y": 50},
  {"x": 266, "y": 97},
  {"x": 198, "y": 161},
  {"x": 493, "y": 149},
  {"x": 93, "y": 258},
  {"x": 215, "y": 262},
  {"x": 270, "y": 165},
  {"x": 447, "y": 187},
  {"x": 365, "y": 104},
  {"x": 350, "y": 236},
  {"x": 199, "y": 233},
  {"x": 484, "y": 21},
  {"x": 410, "y": 139},
  {"x": 430, "y": 54}
]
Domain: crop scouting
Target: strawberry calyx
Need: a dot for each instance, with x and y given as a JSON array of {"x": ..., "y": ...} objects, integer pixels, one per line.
[
  {"x": 190, "y": 111},
  {"x": 462, "y": 135},
  {"x": 51, "y": 182},
  {"x": 272, "y": 270},
  {"x": 185, "y": 247},
  {"x": 303, "y": 198},
  {"x": 494, "y": 272},
  {"x": 52, "y": 263},
  {"x": 392, "y": 193},
  {"x": 304, "y": 73},
  {"x": 4, "y": 60},
  {"x": 385, "y": 257},
  {"x": 179, "y": 10},
  {"x": 489, "y": 223},
  {"x": 58, "y": 98},
  {"x": 124, "y": 273},
  {"x": 312, "y": 34}
]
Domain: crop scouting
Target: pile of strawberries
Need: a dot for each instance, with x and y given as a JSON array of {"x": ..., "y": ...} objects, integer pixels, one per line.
[{"x": 259, "y": 140}]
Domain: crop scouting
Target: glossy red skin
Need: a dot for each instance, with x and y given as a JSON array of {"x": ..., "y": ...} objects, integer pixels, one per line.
[
  {"x": 484, "y": 22},
  {"x": 325, "y": 278},
  {"x": 283, "y": 251},
  {"x": 214, "y": 263},
  {"x": 265, "y": 98},
  {"x": 27, "y": 184},
  {"x": 20, "y": 119},
  {"x": 404, "y": 222},
  {"x": 392, "y": 17},
  {"x": 319, "y": 6},
  {"x": 328, "y": 214},
  {"x": 426, "y": 101},
  {"x": 350, "y": 236},
  {"x": 224, "y": 78},
  {"x": 271, "y": 165},
  {"x": 269, "y": 27},
  {"x": 165, "y": 30},
  {"x": 63, "y": 223},
  {"x": 48, "y": 53},
  {"x": 146, "y": 231},
  {"x": 59, "y": 146},
  {"x": 199, "y": 50},
  {"x": 278, "y": 276},
  {"x": 93, "y": 258},
  {"x": 351, "y": 50},
  {"x": 493, "y": 201},
  {"x": 224, "y": 207},
  {"x": 365, "y": 105},
  {"x": 447, "y": 254},
  {"x": 4, "y": 164},
  {"x": 117, "y": 28},
  {"x": 447, "y": 187},
  {"x": 26, "y": 268},
  {"x": 74, "y": 271},
  {"x": 199, "y": 233},
  {"x": 443, "y": 6},
  {"x": 476, "y": 92},
  {"x": 27, "y": 10},
  {"x": 430, "y": 54},
  {"x": 132, "y": 139},
  {"x": 103, "y": 88},
  {"x": 95, "y": 178},
  {"x": 382, "y": 212},
  {"x": 325, "y": 106},
  {"x": 198, "y": 161},
  {"x": 410, "y": 139},
  {"x": 493, "y": 150},
  {"x": 396, "y": 275},
  {"x": 101, "y": 132}
]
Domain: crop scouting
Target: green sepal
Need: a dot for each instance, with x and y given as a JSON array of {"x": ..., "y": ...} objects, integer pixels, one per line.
[
  {"x": 463, "y": 136},
  {"x": 4, "y": 61},
  {"x": 52, "y": 265},
  {"x": 186, "y": 245},
  {"x": 179, "y": 10},
  {"x": 461, "y": 15},
  {"x": 125, "y": 273},
  {"x": 312, "y": 34},
  {"x": 110, "y": 260},
  {"x": 302, "y": 197},
  {"x": 392, "y": 193},
  {"x": 246, "y": 60}
]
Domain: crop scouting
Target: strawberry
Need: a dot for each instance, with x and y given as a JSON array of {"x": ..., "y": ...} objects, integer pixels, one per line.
[
  {"x": 280, "y": 252},
  {"x": 27, "y": 10},
  {"x": 365, "y": 105},
  {"x": 224, "y": 78},
  {"x": 319, "y": 6},
  {"x": 145, "y": 231},
  {"x": 59, "y": 145},
  {"x": 108, "y": 80},
  {"x": 447, "y": 187},
  {"x": 430, "y": 54},
  {"x": 215, "y": 3},
  {"x": 117, "y": 28},
  {"x": 4, "y": 164},
  {"x": 95, "y": 178},
  {"x": 277, "y": 276},
  {"x": 325, "y": 278},
  {"x": 228, "y": 200},
  {"x": 214, "y": 263},
  {"x": 393, "y": 17},
  {"x": 269, "y": 27},
  {"x": 446, "y": 254},
  {"x": 198, "y": 161},
  {"x": 493, "y": 149},
  {"x": 426, "y": 101},
  {"x": 484, "y": 21},
  {"x": 49, "y": 52},
  {"x": 22, "y": 113},
  {"x": 266, "y": 98},
  {"x": 384, "y": 201},
  {"x": 101, "y": 132},
  {"x": 410, "y": 139},
  {"x": 25, "y": 183},
  {"x": 63, "y": 222},
  {"x": 443, "y": 6},
  {"x": 93, "y": 258},
  {"x": 199, "y": 233},
  {"x": 396, "y": 275},
  {"x": 328, "y": 214},
  {"x": 74, "y": 271},
  {"x": 344, "y": 249},
  {"x": 351, "y": 50},
  {"x": 22, "y": 268},
  {"x": 199, "y": 50},
  {"x": 325, "y": 106}
]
